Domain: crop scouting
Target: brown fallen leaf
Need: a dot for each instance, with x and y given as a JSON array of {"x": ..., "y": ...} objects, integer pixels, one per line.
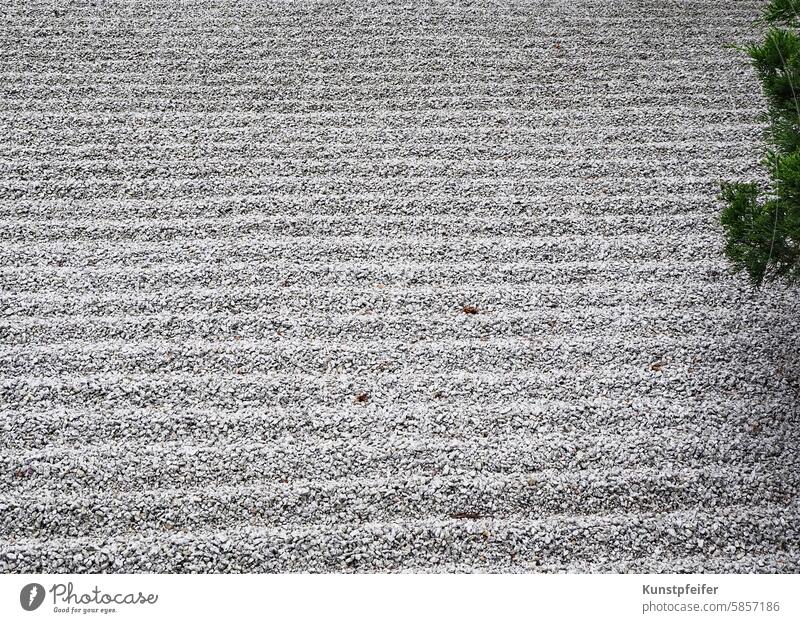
[{"x": 466, "y": 515}]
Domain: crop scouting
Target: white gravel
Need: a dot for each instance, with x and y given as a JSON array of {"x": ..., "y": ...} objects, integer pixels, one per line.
[{"x": 411, "y": 286}]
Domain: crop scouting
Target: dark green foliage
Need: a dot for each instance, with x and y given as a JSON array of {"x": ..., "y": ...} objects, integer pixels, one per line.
[
  {"x": 776, "y": 63},
  {"x": 783, "y": 11},
  {"x": 760, "y": 234},
  {"x": 762, "y": 227}
]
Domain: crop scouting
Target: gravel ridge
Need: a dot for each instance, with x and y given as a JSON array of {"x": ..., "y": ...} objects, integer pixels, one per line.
[{"x": 414, "y": 286}]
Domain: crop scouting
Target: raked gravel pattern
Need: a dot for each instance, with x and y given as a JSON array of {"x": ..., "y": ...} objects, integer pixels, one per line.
[{"x": 386, "y": 286}]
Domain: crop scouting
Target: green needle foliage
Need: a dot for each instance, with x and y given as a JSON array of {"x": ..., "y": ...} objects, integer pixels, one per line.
[
  {"x": 783, "y": 12},
  {"x": 762, "y": 227}
]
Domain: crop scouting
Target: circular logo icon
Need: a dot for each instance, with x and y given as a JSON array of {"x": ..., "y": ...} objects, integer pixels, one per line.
[{"x": 31, "y": 596}]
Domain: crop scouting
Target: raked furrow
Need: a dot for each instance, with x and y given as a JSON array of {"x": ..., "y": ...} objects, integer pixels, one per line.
[
  {"x": 558, "y": 542},
  {"x": 381, "y": 287}
]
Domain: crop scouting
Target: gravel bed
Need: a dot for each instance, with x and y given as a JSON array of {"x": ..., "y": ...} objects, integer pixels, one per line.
[{"x": 415, "y": 286}]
